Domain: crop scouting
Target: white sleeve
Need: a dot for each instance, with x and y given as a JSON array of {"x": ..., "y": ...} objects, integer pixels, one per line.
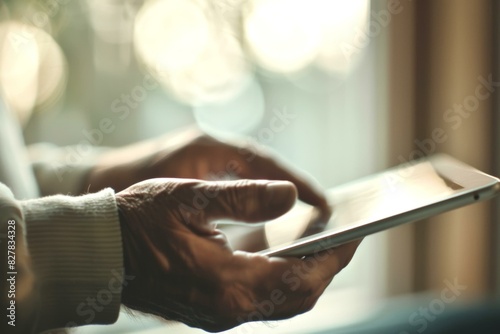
[{"x": 76, "y": 248}]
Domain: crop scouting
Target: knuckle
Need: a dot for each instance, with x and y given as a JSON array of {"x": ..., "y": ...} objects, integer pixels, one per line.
[
  {"x": 309, "y": 305},
  {"x": 202, "y": 138},
  {"x": 245, "y": 197},
  {"x": 310, "y": 294}
]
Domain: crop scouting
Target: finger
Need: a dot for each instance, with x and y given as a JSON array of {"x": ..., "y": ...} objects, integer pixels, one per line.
[
  {"x": 332, "y": 261},
  {"x": 266, "y": 167},
  {"x": 303, "y": 281},
  {"x": 274, "y": 280},
  {"x": 249, "y": 200}
]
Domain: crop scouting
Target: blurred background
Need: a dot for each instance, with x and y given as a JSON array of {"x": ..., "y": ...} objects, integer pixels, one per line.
[{"x": 340, "y": 89}]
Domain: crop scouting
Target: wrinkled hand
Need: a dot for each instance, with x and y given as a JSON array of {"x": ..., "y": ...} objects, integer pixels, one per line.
[
  {"x": 190, "y": 154},
  {"x": 184, "y": 269}
]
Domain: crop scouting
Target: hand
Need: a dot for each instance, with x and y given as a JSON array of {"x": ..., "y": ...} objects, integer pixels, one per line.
[
  {"x": 184, "y": 269},
  {"x": 194, "y": 155}
]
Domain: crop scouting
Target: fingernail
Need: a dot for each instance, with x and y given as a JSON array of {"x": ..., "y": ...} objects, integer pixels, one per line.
[{"x": 279, "y": 194}]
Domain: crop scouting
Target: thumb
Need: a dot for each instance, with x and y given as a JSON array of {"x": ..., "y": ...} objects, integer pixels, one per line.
[{"x": 251, "y": 200}]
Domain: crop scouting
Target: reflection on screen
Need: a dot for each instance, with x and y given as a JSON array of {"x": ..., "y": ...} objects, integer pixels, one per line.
[{"x": 354, "y": 204}]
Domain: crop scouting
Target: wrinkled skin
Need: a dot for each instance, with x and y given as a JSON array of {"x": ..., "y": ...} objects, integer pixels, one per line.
[{"x": 184, "y": 269}]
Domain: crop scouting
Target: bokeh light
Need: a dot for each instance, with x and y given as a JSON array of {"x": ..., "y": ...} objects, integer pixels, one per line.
[
  {"x": 52, "y": 72},
  {"x": 197, "y": 60},
  {"x": 194, "y": 47},
  {"x": 171, "y": 35},
  {"x": 32, "y": 67},
  {"x": 343, "y": 23},
  {"x": 283, "y": 35},
  {"x": 288, "y": 35}
]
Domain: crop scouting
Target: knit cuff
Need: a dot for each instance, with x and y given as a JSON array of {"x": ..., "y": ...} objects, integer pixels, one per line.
[{"x": 76, "y": 248}]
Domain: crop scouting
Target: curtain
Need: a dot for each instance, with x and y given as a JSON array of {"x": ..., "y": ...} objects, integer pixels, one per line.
[
  {"x": 495, "y": 262},
  {"x": 440, "y": 78}
]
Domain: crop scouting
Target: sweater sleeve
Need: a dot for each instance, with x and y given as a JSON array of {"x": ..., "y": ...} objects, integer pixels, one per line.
[{"x": 76, "y": 250}]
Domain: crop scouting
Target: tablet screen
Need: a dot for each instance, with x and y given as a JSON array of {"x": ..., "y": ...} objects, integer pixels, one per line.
[{"x": 354, "y": 204}]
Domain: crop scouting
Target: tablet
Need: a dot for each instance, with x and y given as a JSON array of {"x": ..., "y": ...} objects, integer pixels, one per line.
[{"x": 407, "y": 193}]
